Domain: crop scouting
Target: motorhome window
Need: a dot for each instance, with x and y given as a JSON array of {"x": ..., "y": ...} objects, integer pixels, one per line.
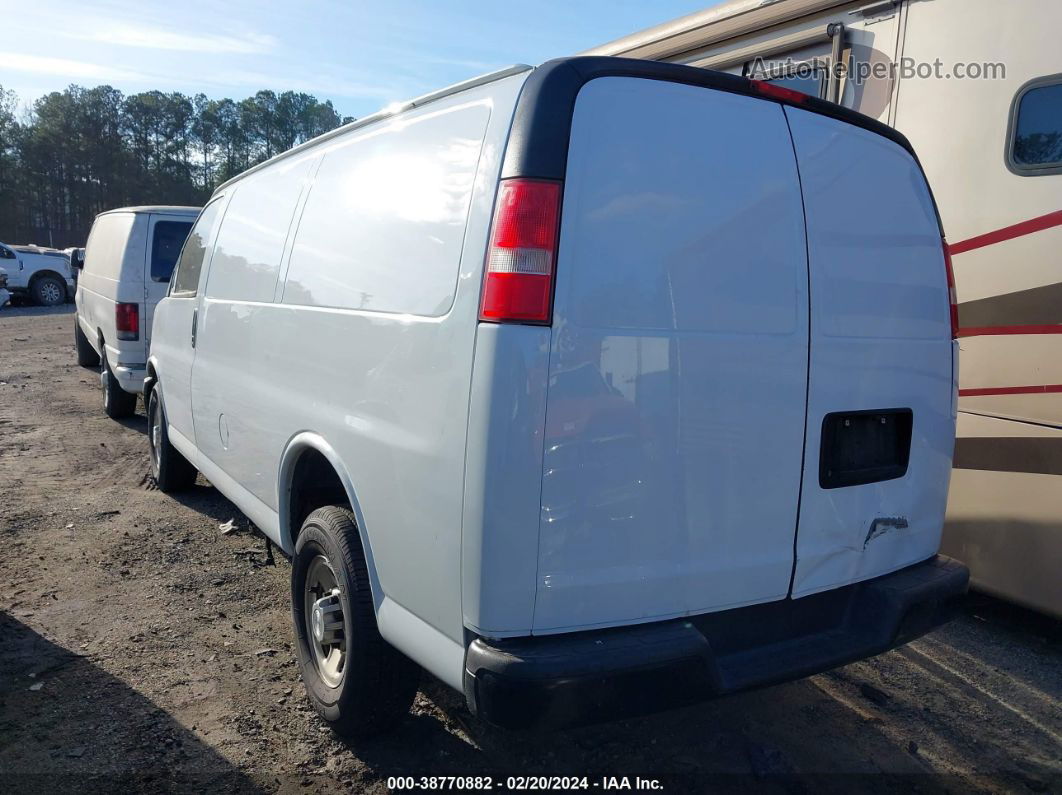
[
  {"x": 190, "y": 264},
  {"x": 166, "y": 247},
  {"x": 1036, "y": 128}
]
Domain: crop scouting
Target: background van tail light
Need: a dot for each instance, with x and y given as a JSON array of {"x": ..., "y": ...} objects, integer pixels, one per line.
[
  {"x": 518, "y": 282},
  {"x": 127, "y": 321},
  {"x": 952, "y": 302}
]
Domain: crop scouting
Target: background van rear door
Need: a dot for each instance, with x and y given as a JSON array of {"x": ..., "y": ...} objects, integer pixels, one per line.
[
  {"x": 880, "y": 343},
  {"x": 678, "y": 362}
]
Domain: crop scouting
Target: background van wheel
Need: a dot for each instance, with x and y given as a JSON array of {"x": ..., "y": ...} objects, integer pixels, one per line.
[
  {"x": 48, "y": 291},
  {"x": 86, "y": 356},
  {"x": 117, "y": 403},
  {"x": 355, "y": 679},
  {"x": 171, "y": 470}
]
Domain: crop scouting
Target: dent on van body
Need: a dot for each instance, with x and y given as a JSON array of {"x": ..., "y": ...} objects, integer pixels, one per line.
[{"x": 881, "y": 339}]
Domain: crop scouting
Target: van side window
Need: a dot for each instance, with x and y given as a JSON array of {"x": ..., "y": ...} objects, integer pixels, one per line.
[
  {"x": 1035, "y": 141},
  {"x": 384, "y": 221},
  {"x": 166, "y": 247},
  {"x": 6, "y": 253},
  {"x": 190, "y": 264},
  {"x": 251, "y": 239}
]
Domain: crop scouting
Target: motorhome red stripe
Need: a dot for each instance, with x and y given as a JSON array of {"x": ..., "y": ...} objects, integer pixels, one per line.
[
  {"x": 1011, "y": 390},
  {"x": 1008, "y": 233},
  {"x": 996, "y": 331}
]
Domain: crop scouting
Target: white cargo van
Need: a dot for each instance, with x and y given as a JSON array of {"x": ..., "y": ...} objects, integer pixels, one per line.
[
  {"x": 593, "y": 389},
  {"x": 125, "y": 270}
]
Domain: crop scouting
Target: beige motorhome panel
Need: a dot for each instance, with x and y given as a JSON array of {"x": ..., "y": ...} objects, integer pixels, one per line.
[
  {"x": 1004, "y": 509},
  {"x": 1004, "y": 224},
  {"x": 1009, "y": 283}
]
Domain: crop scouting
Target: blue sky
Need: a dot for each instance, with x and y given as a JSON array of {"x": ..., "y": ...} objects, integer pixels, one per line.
[{"x": 361, "y": 55}]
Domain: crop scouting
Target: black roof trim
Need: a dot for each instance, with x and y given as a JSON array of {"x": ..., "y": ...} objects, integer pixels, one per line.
[{"x": 538, "y": 143}]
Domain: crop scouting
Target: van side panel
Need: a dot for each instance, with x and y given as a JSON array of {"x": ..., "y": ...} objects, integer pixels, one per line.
[
  {"x": 880, "y": 339},
  {"x": 503, "y": 478},
  {"x": 238, "y": 294},
  {"x": 387, "y": 390},
  {"x": 675, "y": 418}
]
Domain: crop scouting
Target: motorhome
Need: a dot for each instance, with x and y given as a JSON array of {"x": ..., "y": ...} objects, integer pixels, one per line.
[
  {"x": 558, "y": 383},
  {"x": 976, "y": 86}
]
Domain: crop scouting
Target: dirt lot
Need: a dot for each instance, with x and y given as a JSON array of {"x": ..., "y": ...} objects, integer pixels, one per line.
[{"x": 141, "y": 648}]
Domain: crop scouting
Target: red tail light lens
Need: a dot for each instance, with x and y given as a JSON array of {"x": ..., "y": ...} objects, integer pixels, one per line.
[
  {"x": 952, "y": 302},
  {"x": 127, "y": 321},
  {"x": 779, "y": 92},
  {"x": 518, "y": 283}
]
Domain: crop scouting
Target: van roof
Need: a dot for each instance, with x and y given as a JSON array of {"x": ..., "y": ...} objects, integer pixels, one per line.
[
  {"x": 711, "y": 26},
  {"x": 384, "y": 113},
  {"x": 171, "y": 209}
]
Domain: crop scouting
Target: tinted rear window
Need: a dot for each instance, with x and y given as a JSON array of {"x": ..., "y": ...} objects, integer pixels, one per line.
[{"x": 166, "y": 247}]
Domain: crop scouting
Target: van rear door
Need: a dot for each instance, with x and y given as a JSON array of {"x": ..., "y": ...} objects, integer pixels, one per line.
[
  {"x": 880, "y": 428},
  {"x": 675, "y": 414}
]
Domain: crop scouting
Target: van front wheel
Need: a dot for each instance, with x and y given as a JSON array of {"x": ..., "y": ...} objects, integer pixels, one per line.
[
  {"x": 171, "y": 470},
  {"x": 356, "y": 681}
]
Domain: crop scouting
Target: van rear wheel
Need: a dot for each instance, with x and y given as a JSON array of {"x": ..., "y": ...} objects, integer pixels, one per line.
[
  {"x": 171, "y": 470},
  {"x": 117, "y": 403},
  {"x": 356, "y": 681},
  {"x": 86, "y": 356}
]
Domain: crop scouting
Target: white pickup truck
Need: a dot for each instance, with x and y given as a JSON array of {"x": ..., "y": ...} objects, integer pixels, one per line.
[{"x": 44, "y": 275}]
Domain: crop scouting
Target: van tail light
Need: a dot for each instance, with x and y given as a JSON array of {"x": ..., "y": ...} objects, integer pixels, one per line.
[
  {"x": 127, "y": 321},
  {"x": 953, "y": 304},
  {"x": 778, "y": 92},
  {"x": 518, "y": 283}
]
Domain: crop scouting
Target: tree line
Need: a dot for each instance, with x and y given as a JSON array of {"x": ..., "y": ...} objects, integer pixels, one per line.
[{"x": 80, "y": 151}]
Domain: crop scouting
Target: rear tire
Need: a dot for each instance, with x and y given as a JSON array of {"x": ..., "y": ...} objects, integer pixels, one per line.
[
  {"x": 117, "y": 403},
  {"x": 171, "y": 470},
  {"x": 48, "y": 291},
  {"x": 86, "y": 356},
  {"x": 370, "y": 691}
]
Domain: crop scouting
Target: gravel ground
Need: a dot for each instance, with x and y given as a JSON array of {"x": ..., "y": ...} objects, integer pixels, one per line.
[{"x": 140, "y": 648}]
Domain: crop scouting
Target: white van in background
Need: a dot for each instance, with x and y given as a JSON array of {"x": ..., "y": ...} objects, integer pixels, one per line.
[
  {"x": 43, "y": 275},
  {"x": 564, "y": 384},
  {"x": 125, "y": 270}
]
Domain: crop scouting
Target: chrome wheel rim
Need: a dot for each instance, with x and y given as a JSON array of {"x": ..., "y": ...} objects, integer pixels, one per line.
[
  {"x": 50, "y": 293},
  {"x": 325, "y": 621}
]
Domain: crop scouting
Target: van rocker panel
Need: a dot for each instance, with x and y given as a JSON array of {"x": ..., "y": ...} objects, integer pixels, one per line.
[{"x": 585, "y": 677}]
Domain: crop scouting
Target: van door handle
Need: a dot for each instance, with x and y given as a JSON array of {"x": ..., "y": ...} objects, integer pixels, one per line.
[{"x": 195, "y": 323}]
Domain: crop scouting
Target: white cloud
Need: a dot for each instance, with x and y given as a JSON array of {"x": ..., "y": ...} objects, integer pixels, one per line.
[
  {"x": 64, "y": 67},
  {"x": 125, "y": 35}
]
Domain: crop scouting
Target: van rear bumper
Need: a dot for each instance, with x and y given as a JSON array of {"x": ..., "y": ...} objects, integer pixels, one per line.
[
  {"x": 130, "y": 377},
  {"x": 586, "y": 677}
]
